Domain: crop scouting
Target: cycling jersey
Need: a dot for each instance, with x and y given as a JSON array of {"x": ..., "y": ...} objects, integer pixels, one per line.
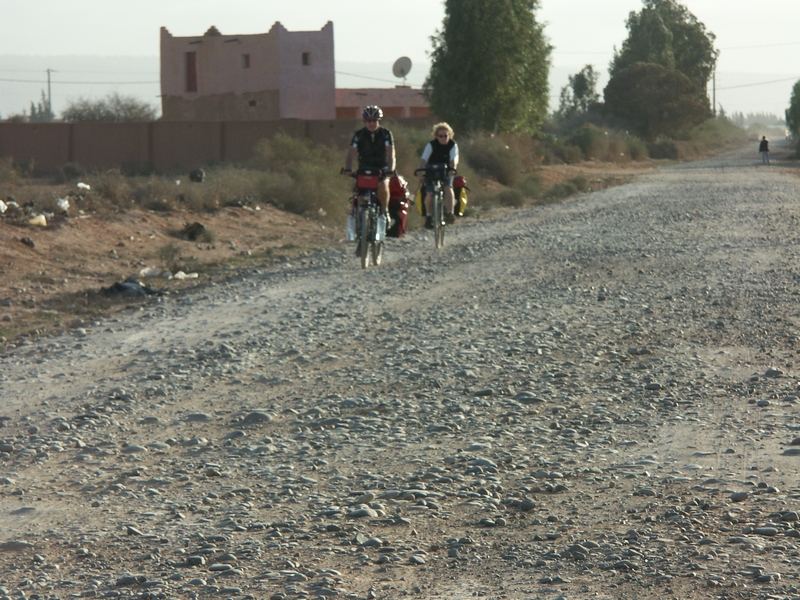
[
  {"x": 371, "y": 147},
  {"x": 440, "y": 154}
]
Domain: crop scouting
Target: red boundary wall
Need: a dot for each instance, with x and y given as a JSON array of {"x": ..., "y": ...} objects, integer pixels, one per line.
[{"x": 165, "y": 146}]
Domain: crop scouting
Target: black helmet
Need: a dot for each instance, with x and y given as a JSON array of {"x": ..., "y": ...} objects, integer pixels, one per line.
[{"x": 372, "y": 113}]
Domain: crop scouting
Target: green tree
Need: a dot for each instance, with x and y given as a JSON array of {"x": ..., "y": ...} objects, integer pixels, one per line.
[
  {"x": 793, "y": 112},
  {"x": 578, "y": 96},
  {"x": 113, "y": 108},
  {"x": 489, "y": 66},
  {"x": 656, "y": 100},
  {"x": 664, "y": 32},
  {"x": 666, "y": 45},
  {"x": 40, "y": 111}
]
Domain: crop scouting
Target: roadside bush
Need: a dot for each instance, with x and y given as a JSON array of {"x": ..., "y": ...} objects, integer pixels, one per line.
[
  {"x": 111, "y": 187},
  {"x": 637, "y": 149},
  {"x": 71, "y": 171},
  {"x": 302, "y": 176},
  {"x": 663, "y": 148},
  {"x": 491, "y": 157},
  {"x": 223, "y": 186},
  {"x": 410, "y": 141},
  {"x": 138, "y": 169},
  {"x": 581, "y": 183},
  {"x": 293, "y": 193},
  {"x": 155, "y": 193},
  {"x": 8, "y": 172},
  {"x": 593, "y": 142},
  {"x": 511, "y": 198},
  {"x": 531, "y": 186},
  {"x": 561, "y": 151},
  {"x": 567, "y": 188},
  {"x": 716, "y": 132},
  {"x": 170, "y": 255}
]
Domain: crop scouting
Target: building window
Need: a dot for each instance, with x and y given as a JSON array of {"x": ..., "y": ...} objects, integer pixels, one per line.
[
  {"x": 245, "y": 61},
  {"x": 306, "y": 58},
  {"x": 191, "y": 71}
]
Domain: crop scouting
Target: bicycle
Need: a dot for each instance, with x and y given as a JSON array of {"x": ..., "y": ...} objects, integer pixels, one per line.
[
  {"x": 437, "y": 174},
  {"x": 369, "y": 232}
]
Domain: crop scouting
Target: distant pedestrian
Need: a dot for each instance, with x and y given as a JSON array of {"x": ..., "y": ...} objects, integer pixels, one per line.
[{"x": 763, "y": 148}]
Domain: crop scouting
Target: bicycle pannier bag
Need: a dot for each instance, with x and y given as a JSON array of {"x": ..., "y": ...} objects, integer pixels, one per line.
[
  {"x": 398, "y": 210},
  {"x": 366, "y": 182},
  {"x": 419, "y": 202},
  {"x": 460, "y": 193}
]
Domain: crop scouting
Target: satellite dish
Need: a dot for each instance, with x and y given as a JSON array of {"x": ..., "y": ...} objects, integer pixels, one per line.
[{"x": 402, "y": 67}]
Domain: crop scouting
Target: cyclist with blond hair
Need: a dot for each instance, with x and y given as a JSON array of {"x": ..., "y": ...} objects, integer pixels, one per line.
[{"x": 440, "y": 155}]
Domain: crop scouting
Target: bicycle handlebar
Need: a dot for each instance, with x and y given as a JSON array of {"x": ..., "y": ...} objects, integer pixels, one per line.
[
  {"x": 435, "y": 170},
  {"x": 355, "y": 173}
]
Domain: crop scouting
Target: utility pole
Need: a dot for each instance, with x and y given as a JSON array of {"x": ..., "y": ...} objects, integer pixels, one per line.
[
  {"x": 49, "y": 94},
  {"x": 714, "y": 91}
]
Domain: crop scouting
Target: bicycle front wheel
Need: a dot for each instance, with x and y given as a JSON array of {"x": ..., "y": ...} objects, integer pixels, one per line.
[
  {"x": 377, "y": 253},
  {"x": 365, "y": 240},
  {"x": 438, "y": 219}
]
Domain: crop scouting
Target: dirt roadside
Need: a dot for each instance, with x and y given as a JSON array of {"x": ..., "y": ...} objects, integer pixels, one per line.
[{"x": 51, "y": 277}]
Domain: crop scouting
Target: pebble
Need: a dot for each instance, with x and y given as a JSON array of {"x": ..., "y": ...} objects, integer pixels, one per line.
[{"x": 298, "y": 429}]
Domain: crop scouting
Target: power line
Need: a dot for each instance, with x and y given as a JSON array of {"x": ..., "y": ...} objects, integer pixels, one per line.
[
  {"x": 40, "y": 81},
  {"x": 762, "y": 46},
  {"x": 367, "y": 77},
  {"x": 65, "y": 82},
  {"x": 745, "y": 85},
  {"x": 94, "y": 71}
]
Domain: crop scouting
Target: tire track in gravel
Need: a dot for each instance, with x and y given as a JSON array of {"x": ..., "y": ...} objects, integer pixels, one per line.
[{"x": 591, "y": 399}]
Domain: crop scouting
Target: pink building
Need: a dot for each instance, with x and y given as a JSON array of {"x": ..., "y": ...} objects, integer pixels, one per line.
[
  {"x": 265, "y": 77},
  {"x": 274, "y": 75},
  {"x": 401, "y": 102}
]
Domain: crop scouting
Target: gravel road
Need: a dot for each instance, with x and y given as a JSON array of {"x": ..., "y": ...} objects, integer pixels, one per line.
[{"x": 591, "y": 399}]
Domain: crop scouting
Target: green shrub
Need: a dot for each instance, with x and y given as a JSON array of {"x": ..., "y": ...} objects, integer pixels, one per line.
[
  {"x": 170, "y": 255},
  {"x": 716, "y": 132},
  {"x": 302, "y": 176},
  {"x": 155, "y": 193},
  {"x": 511, "y": 197},
  {"x": 663, "y": 148},
  {"x": 138, "y": 169},
  {"x": 581, "y": 183},
  {"x": 410, "y": 142},
  {"x": 531, "y": 186},
  {"x": 8, "y": 172},
  {"x": 71, "y": 171},
  {"x": 593, "y": 142},
  {"x": 637, "y": 149},
  {"x": 111, "y": 187},
  {"x": 492, "y": 157},
  {"x": 560, "y": 151},
  {"x": 568, "y": 188},
  {"x": 222, "y": 186}
]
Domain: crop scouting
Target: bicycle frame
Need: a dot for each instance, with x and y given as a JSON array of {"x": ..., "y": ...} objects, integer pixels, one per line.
[
  {"x": 366, "y": 205},
  {"x": 436, "y": 175}
]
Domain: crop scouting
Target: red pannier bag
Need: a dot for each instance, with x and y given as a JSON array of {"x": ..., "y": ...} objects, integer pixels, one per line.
[
  {"x": 398, "y": 206},
  {"x": 366, "y": 182},
  {"x": 460, "y": 194}
]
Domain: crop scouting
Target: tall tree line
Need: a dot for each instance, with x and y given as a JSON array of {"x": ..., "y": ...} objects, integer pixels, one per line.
[{"x": 489, "y": 66}]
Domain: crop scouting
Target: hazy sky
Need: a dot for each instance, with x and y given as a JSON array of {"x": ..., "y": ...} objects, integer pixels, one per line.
[{"x": 759, "y": 46}]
